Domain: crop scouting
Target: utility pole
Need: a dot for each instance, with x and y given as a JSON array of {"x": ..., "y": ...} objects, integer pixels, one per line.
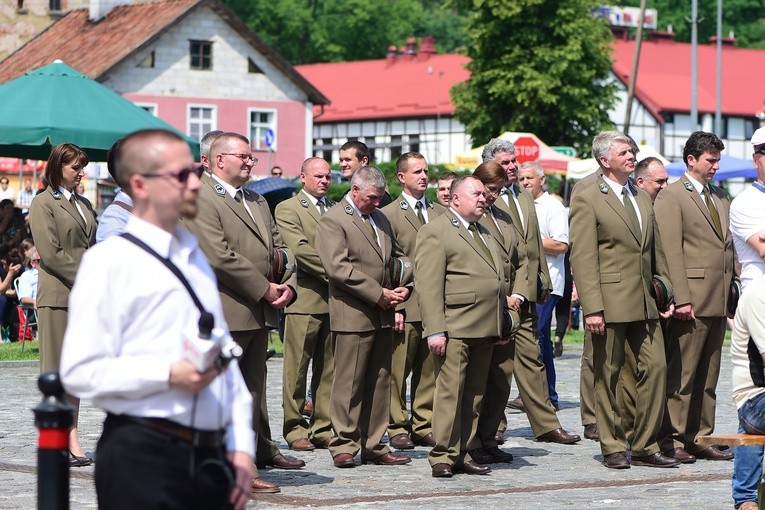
[{"x": 635, "y": 62}]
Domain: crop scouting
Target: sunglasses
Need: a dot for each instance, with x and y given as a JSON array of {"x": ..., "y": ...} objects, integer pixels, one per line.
[
  {"x": 182, "y": 175},
  {"x": 761, "y": 151}
]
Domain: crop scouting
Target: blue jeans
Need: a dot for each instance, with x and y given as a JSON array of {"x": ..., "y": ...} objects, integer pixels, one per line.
[
  {"x": 545, "y": 313},
  {"x": 747, "y": 465}
]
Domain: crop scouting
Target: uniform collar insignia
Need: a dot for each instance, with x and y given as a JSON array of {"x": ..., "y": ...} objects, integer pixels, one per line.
[
  {"x": 603, "y": 187},
  {"x": 304, "y": 202},
  {"x": 404, "y": 205},
  {"x": 220, "y": 190},
  {"x": 455, "y": 222},
  {"x": 688, "y": 186},
  {"x": 348, "y": 209},
  {"x": 56, "y": 194}
]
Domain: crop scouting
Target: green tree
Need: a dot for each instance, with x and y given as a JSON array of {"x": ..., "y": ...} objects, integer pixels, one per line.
[
  {"x": 537, "y": 65},
  {"x": 743, "y": 17},
  {"x": 309, "y": 31}
]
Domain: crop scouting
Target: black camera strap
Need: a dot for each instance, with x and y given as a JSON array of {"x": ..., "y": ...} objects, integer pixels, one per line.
[{"x": 172, "y": 267}]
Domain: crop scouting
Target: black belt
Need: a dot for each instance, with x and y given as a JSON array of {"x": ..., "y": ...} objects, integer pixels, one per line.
[{"x": 196, "y": 437}]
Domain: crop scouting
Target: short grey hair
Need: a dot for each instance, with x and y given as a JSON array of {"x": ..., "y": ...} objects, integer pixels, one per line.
[
  {"x": 601, "y": 144},
  {"x": 535, "y": 166},
  {"x": 205, "y": 144},
  {"x": 368, "y": 177},
  {"x": 495, "y": 146}
]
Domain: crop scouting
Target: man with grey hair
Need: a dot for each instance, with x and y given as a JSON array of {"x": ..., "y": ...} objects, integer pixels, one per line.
[
  {"x": 204, "y": 148},
  {"x": 651, "y": 176},
  {"x": 525, "y": 360},
  {"x": 367, "y": 275},
  {"x": 615, "y": 252}
]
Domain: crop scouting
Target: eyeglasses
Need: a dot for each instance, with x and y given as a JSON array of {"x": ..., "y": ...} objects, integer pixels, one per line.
[
  {"x": 182, "y": 175},
  {"x": 761, "y": 151},
  {"x": 243, "y": 157}
]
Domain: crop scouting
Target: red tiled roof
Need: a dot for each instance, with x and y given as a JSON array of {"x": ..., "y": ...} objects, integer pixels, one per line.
[
  {"x": 93, "y": 48},
  {"x": 664, "y": 76},
  {"x": 403, "y": 86}
]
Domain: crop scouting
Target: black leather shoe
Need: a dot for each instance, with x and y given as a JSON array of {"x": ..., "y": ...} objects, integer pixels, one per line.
[
  {"x": 473, "y": 468},
  {"x": 401, "y": 442},
  {"x": 714, "y": 453},
  {"x": 481, "y": 456},
  {"x": 498, "y": 455},
  {"x": 591, "y": 432},
  {"x": 616, "y": 460},
  {"x": 442, "y": 471},
  {"x": 559, "y": 436},
  {"x": 656, "y": 460},
  {"x": 680, "y": 454}
]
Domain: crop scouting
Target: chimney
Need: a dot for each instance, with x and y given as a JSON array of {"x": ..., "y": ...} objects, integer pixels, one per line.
[
  {"x": 99, "y": 9},
  {"x": 428, "y": 45},
  {"x": 725, "y": 41},
  {"x": 411, "y": 46},
  {"x": 392, "y": 54}
]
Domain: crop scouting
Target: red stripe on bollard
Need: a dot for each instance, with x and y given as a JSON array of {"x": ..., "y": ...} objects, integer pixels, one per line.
[{"x": 53, "y": 439}]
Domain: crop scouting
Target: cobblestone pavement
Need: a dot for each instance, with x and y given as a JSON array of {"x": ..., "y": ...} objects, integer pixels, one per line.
[{"x": 541, "y": 476}]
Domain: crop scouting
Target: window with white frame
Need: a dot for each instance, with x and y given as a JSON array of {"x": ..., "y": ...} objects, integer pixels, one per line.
[
  {"x": 260, "y": 122},
  {"x": 149, "y": 107},
  {"x": 201, "y": 121}
]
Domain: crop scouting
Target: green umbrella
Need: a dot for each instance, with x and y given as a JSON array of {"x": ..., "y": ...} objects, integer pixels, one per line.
[{"x": 56, "y": 104}]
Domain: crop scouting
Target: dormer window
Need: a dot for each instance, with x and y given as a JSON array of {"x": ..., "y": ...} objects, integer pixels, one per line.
[{"x": 201, "y": 55}]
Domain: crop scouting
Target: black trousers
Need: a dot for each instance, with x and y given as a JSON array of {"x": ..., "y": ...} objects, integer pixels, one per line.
[{"x": 141, "y": 468}]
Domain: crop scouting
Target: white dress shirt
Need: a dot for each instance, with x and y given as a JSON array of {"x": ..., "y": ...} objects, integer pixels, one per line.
[{"x": 127, "y": 312}]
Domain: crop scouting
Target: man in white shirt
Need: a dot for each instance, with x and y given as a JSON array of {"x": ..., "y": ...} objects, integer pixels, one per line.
[
  {"x": 175, "y": 436},
  {"x": 5, "y": 191},
  {"x": 553, "y": 229},
  {"x": 26, "y": 196}
]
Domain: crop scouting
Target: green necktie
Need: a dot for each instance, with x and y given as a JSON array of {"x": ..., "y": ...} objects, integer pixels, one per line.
[
  {"x": 73, "y": 201},
  {"x": 630, "y": 209},
  {"x": 368, "y": 222},
  {"x": 474, "y": 231},
  {"x": 713, "y": 210},
  {"x": 513, "y": 208},
  {"x": 418, "y": 211},
  {"x": 322, "y": 207}
]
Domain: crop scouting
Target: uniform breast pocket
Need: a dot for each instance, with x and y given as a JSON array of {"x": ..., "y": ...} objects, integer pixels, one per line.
[
  {"x": 610, "y": 277},
  {"x": 694, "y": 272},
  {"x": 460, "y": 299}
]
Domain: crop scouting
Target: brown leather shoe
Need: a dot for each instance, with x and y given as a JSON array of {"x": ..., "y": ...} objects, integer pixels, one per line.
[
  {"x": 302, "y": 445},
  {"x": 322, "y": 444},
  {"x": 401, "y": 442},
  {"x": 473, "y": 468},
  {"x": 282, "y": 462},
  {"x": 308, "y": 409},
  {"x": 387, "y": 459},
  {"x": 499, "y": 437},
  {"x": 426, "y": 440},
  {"x": 442, "y": 471},
  {"x": 680, "y": 454},
  {"x": 656, "y": 460},
  {"x": 714, "y": 453},
  {"x": 591, "y": 432},
  {"x": 517, "y": 404},
  {"x": 344, "y": 460},
  {"x": 559, "y": 436},
  {"x": 616, "y": 460},
  {"x": 499, "y": 456},
  {"x": 481, "y": 456},
  {"x": 260, "y": 486}
]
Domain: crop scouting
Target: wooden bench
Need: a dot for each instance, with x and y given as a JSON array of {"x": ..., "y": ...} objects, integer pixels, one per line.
[{"x": 738, "y": 440}]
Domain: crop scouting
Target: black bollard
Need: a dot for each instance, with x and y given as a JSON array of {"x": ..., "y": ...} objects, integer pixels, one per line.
[{"x": 53, "y": 418}]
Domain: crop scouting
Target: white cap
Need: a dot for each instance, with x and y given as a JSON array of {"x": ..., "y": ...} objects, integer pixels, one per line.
[{"x": 758, "y": 138}]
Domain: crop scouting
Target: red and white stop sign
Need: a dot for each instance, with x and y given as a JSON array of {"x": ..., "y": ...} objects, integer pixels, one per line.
[{"x": 526, "y": 149}]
